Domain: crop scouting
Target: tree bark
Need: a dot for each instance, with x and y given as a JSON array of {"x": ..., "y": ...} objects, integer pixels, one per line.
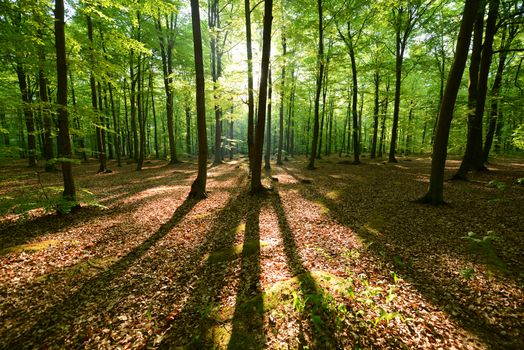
[
  {"x": 436, "y": 185},
  {"x": 267, "y": 158},
  {"x": 507, "y": 38},
  {"x": 167, "y": 43},
  {"x": 376, "y": 82},
  {"x": 256, "y": 184},
  {"x": 198, "y": 188},
  {"x": 64, "y": 150},
  {"x": 320, "y": 64},
  {"x": 473, "y": 157},
  {"x": 281, "y": 109},
  {"x": 250, "y": 97},
  {"x": 94, "y": 102}
]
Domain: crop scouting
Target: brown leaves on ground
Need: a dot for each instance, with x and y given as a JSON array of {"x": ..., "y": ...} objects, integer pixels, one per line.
[{"x": 343, "y": 260}]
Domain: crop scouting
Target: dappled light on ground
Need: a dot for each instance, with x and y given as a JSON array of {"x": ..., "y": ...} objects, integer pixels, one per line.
[{"x": 338, "y": 257}]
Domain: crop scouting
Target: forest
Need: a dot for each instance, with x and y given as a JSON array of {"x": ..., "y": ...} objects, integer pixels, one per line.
[{"x": 264, "y": 174}]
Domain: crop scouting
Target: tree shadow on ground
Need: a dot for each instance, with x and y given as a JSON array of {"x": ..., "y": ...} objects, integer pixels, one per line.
[
  {"x": 29, "y": 229},
  {"x": 316, "y": 317},
  {"x": 248, "y": 323},
  {"x": 454, "y": 297},
  {"x": 55, "y": 320},
  {"x": 199, "y": 324}
]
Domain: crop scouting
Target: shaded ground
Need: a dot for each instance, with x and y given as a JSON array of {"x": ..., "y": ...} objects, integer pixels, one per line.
[{"x": 333, "y": 258}]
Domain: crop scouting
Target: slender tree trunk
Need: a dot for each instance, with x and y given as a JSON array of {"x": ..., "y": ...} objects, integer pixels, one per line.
[
  {"x": 167, "y": 42},
  {"x": 330, "y": 127},
  {"x": 188, "y": 129},
  {"x": 94, "y": 102},
  {"x": 64, "y": 149},
  {"x": 256, "y": 184},
  {"x": 381, "y": 148},
  {"x": 231, "y": 136},
  {"x": 46, "y": 113},
  {"x": 268, "y": 132},
  {"x": 140, "y": 102},
  {"x": 376, "y": 82},
  {"x": 198, "y": 188},
  {"x": 356, "y": 124},
  {"x": 436, "y": 185},
  {"x": 324, "y": 95},
  {"x": 126, "y": 117},
  {"x": 320, "y": 64},
  {"x": 400, "y": 46},
  {"x": 251, "y": 99},
  {"x": 116, "y": 124},
  {"x": 28, "y": 114},
  {"x": 76, "y": 118},
  {"x": 495, "y": 90},
  {"x": 281, "y": 109}
]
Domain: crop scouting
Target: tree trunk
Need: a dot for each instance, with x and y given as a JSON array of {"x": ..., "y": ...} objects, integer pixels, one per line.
[
  {"x": 281, "y": 109},
  {"x": 46, "y": 112},
  {"x": 376, "y": 82},
  {"x": 495, "y": 90},
  {"x": 356, "y": 129},
  {"x": 436, "y": 185},
  {"x": 94, "y": 102},
  {"x": 188, "y": 129},
  {"x": 473, "y": 157},
  {"x": 198, "y": 188},
  {"x": 250, "y": 98},
  {"x": 320, "y": 64},
  {"x": 28, "y": 114},
  {"x": 400, "y": 46},
  {"x": 268, "y": 132},
  {"x": 64, "y": 150},
  {"x": 140, "y": 103},
  {"x": 256, "y": 184},
  {"x": 81, "y": 141}
]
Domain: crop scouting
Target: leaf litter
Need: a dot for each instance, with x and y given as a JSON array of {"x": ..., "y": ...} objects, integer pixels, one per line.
[{"x": 343, "y": 260}]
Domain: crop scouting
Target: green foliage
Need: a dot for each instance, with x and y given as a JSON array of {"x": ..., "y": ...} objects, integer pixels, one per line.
[
  {"x": 467, "y": 273},
  {"x": 484, "y": 246},
  {"x": 499, "y": 185},
  {"x": 520, "y": 181},
  {"x": 49, "y": 199},
  {"x": 518, "y": 137}
]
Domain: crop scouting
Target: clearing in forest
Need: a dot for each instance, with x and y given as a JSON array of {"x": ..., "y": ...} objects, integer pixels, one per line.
[{"x": 339, "y": 257}]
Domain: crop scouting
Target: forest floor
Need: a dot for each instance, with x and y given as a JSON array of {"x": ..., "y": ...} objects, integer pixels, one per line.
[{"x": 336, "y": 258}]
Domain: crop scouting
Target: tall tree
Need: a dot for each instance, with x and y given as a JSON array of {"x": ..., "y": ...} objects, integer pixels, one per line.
[
  {"x": 510, "y": 31},
  {"x": 438, "y": 162},
  {"x": 198, "y": 188},
  {"x": 166, "y": 37},
  {"x": 281, "y": 109},
  {"x": 64, "y": 151},
  {"x": 98, "y": 116},
  {"x": 320, "y": 76},
  {"x": 267, "y": 157},
  {"x": 256, "y": 184},
  {"x": 473, "y": 156},
  {"x": 250, "y": 87},
  {"x": 406, "y": 16}
]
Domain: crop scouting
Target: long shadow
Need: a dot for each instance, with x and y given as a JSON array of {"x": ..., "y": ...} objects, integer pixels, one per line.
[
  {"x": 53, "y": 321},
  {"x": 248, "y": 322},
  {"x": 196, "y": 325},
  {"x": 456, "y": 304},
  {"x": 316, "y": 314},
  {"x": 27, "y": 230}
]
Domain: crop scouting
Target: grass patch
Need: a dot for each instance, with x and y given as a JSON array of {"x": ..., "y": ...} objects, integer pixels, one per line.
[
  {"x": 247, "y": 248},
  {"x": 34, "y": 247}
]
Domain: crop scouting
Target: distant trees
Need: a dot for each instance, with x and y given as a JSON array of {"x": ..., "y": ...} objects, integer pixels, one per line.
[{"x": 371, "y": 82}]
